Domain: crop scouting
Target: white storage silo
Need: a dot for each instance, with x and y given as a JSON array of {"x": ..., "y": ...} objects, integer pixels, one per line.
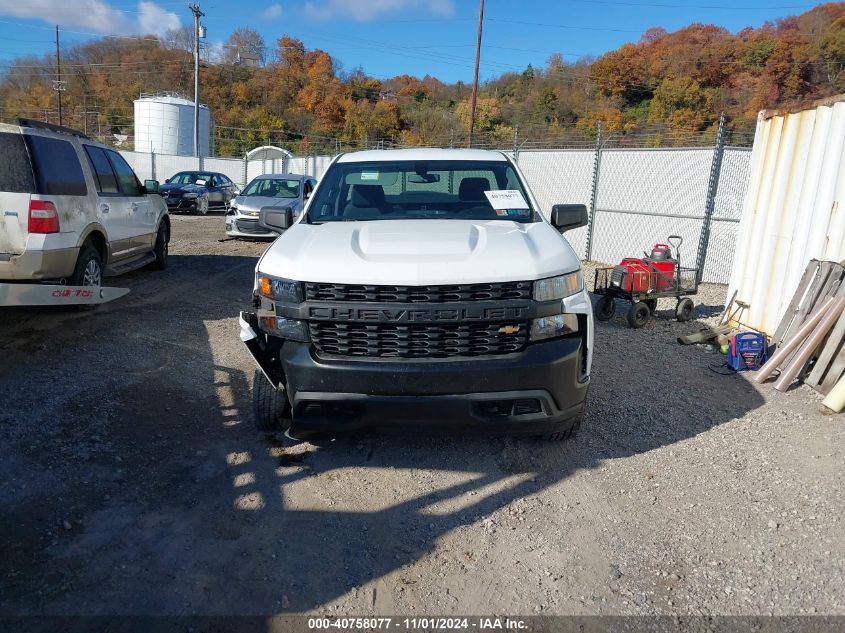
[{"x": 164, "y": 124}]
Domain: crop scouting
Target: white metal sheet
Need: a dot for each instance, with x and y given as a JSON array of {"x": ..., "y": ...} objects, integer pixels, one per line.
[{"x": 793, "y": 208}]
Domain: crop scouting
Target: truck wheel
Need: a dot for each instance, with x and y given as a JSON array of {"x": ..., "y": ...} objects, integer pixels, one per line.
[
  {"x": 638, "y": 315},
  {"x": 605, "y": 308},
  {"x": 560, "y": 436},
  {"x": 685, "y": 310},
  {"x": 270, "y": 407},
  {"x": 161, "y": 248}
]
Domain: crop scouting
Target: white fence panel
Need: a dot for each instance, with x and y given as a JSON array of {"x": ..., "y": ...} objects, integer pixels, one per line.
[
  {"x": 642, "y": 193},
  {"x": 232, "y": 167},
  {"x": 733, "y": 183},
  {"x": 167, "y": 165},
  {"x": 560, "y": 177},
  {"x": 141, "y": 163}
]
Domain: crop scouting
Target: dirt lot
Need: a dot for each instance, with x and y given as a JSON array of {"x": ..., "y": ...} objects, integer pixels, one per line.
[{"x": 132, "y": 481}]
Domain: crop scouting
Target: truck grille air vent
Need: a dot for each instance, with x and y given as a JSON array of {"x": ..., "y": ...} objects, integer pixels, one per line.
[
  {"x": 418, "y": 294},
  {"x": 418, "y": 341}
]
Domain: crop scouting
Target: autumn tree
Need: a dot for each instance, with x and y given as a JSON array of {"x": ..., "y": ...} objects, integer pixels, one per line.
[{"x": 245, "y": 42}]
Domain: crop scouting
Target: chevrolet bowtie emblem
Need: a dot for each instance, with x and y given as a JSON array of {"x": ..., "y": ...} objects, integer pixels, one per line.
[{"x": 509, "y": 329}]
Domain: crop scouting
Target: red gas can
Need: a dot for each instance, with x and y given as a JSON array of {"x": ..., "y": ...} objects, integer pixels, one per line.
[
  {"x": 664, "y": 266},
  {"x": 649, "y": 274}
]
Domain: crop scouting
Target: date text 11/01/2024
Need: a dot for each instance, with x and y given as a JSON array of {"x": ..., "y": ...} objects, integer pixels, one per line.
[{"x": 422, "y": 623}]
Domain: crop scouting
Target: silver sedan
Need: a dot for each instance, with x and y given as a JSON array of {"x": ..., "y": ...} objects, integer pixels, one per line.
[{"x": 270, "y": 190}]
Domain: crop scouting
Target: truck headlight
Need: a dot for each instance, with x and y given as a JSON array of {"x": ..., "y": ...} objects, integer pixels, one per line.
[
  {"x": 553, "y": 326},
  {"x": 280, "y": 289},
  {"x": 290, "y": 329},
  {"x": 558, "y": 287}
]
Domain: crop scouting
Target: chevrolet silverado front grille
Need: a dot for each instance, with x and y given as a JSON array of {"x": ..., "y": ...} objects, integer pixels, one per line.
[
  {"x": 418, "y": 340},
  {"x": 418, "y": 294}
]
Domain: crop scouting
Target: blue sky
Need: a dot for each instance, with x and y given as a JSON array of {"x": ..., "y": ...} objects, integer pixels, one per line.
[{"x": 390, "y": 37}]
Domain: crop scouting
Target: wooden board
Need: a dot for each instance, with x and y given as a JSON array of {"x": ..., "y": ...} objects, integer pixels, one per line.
[
  {"x": 828, "y": 349},
  {"x": 829, "y": 278},
  {"x": 792, "y": 308}
]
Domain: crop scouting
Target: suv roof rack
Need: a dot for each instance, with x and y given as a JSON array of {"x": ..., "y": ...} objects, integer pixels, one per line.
[{"x": 41, "y": 125}]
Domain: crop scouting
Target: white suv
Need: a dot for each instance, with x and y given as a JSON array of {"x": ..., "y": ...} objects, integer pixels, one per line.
[
  {"x": 421, "y": 287},
  {"x": 73, "y": 209}
]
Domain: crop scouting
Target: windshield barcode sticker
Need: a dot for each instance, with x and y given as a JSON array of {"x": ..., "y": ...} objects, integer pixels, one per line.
[{"x": 506, "y": 199}]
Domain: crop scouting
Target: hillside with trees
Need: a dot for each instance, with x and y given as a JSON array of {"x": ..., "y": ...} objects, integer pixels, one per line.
[{"x": 665, "y": 89}]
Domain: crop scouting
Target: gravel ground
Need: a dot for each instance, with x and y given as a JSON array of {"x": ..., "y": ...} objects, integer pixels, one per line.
[{"x": 134, "y": 483}]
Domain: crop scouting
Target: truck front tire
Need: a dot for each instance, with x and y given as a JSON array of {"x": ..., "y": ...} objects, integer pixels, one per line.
[
  {"x": 271, "y": 410},
  {"x": 560, "y": 436}
]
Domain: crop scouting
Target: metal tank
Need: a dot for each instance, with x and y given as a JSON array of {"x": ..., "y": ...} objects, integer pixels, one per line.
[{"x": 164, "y": 124}]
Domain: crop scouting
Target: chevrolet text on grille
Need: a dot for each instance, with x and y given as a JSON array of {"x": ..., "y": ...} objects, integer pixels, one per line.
[{"x": 417, "y": 315}]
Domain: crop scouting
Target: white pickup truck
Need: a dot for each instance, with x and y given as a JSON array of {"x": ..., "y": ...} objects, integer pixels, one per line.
[{"x": 421, "y": 287}]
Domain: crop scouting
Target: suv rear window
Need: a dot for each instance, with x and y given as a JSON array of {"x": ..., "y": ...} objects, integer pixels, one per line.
[
  {"x": 15, "y": 170},
  {"x": 57, "y": 167}
]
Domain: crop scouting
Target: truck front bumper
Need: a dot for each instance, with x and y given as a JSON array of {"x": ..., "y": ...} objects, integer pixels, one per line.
[{"x": 540, "y": 390}]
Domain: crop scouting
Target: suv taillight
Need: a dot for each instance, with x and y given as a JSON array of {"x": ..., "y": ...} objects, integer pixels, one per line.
[{"x": 43, "y": 217}]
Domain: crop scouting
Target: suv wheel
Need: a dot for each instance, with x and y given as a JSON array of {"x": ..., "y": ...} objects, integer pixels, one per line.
[
  {"x": 88, "y": 272},
  {"x": 89, "y": 268},
  {"x": 271, "y": 410},
  {"x": 161, "y": 249}
]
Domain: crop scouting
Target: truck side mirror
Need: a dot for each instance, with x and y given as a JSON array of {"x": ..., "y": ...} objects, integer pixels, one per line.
[
  {"x": 151, "y": 186},
  {"x": 275, "y": 218},
  {"x": 569, "y": 216}
]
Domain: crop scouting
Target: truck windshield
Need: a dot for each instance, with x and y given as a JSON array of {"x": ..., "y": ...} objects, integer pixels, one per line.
[{"x": 404, "y": 190}]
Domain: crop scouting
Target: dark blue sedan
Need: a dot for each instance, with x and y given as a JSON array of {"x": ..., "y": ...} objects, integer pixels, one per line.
[{"x": 197, "y": 192}]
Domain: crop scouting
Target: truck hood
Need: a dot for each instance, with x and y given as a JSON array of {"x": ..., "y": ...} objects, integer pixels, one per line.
[{"x": 419, "y": 252}]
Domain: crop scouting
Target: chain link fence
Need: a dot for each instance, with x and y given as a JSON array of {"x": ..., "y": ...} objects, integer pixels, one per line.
[{"x": 637, "y": 196}]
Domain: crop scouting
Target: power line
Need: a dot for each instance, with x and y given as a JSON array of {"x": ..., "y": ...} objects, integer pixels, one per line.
[{"x": 665, "y": 5}]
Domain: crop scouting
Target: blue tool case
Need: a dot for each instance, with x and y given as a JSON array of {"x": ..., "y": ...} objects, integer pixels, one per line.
[{"x": 747, "y": 351}]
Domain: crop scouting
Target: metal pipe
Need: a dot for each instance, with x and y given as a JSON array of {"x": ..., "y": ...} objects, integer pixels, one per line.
[
  {"x": 787, "y": 348},
  {"x": 790, "y": 372}
]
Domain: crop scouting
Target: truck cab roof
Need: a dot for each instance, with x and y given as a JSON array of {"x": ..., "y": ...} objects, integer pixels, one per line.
[{"x": 425, "y": 153}]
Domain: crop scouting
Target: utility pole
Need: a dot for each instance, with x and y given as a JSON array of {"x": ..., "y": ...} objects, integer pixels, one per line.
[
  {"x": 195, "y": 9},
  {"x": 59, "y": 86},
  {"x": 475, "y": 75},
  {"x": 85, "y": 113}
]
